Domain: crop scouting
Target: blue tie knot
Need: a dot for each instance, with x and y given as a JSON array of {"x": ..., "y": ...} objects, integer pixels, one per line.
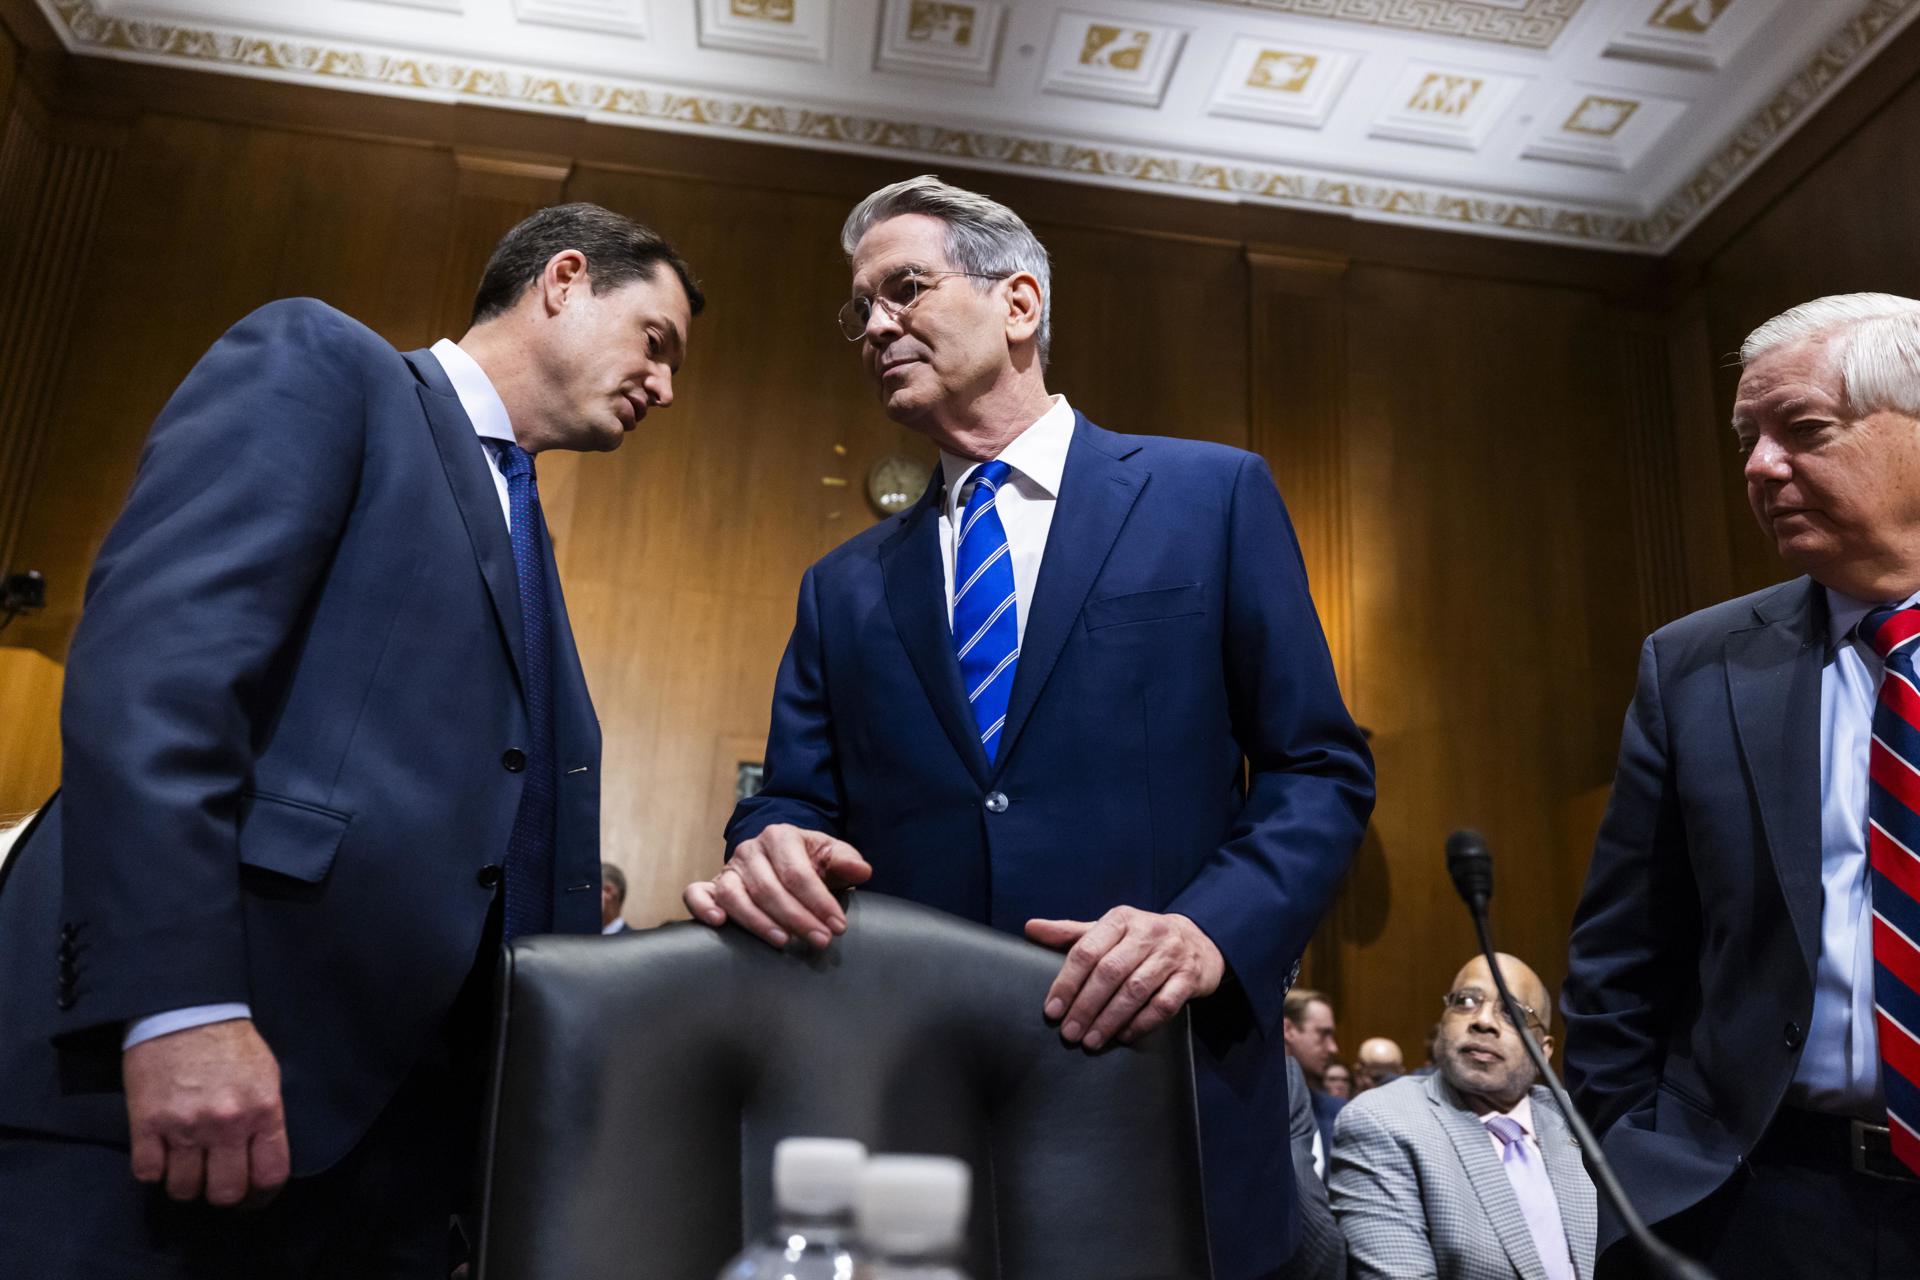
[
  {"x": 993, "y": 475},
  {"x": 514, "y": 461}
]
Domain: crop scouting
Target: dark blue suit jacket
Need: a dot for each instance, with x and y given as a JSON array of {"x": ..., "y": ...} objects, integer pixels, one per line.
[
  {"x": 1690, "y": 980},
  {"x": 286, "y": 710},
  {"x": 1326, "y": 1108},
  {"x": 1175, "y": 741}
]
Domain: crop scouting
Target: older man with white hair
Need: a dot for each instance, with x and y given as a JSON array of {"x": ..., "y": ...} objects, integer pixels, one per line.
[{"x": 1741, "y": 1002}]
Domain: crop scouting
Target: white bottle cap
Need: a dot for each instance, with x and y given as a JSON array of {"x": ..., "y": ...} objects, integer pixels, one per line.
[
  {"x": 913, "y": 1205},
  {"x": 816, "y": 1177}
]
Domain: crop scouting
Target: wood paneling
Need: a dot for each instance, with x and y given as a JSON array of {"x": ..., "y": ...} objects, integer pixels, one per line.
[{"x": 1443, "y": 414}]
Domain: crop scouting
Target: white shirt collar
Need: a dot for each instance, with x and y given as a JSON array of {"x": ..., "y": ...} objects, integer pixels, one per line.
[
  {"x": 1844, "y": 614},
  {"x": 1521, "y": 1113},
  {"x": 485, "y": 409},
  {"x": 1039, "y": 453}
]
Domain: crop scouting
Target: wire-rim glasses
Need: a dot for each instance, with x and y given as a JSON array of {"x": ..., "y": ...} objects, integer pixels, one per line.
[{"x": 896, "y": 295}]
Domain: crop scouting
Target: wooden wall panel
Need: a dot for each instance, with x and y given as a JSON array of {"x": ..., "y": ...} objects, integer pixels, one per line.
[
  {"x": 1488, "y": 529},
  {"x": 1444, "y": 441}
]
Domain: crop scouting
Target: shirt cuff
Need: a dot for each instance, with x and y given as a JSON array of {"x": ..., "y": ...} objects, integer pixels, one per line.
[{"x": 162, "y": 1024}]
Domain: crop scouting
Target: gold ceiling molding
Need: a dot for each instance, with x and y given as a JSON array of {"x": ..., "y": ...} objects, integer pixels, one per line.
[
  {"x": 1838, "y": 58},
  {"x": 1535, "y": 24},
  {"x": 88, "y": 31}
]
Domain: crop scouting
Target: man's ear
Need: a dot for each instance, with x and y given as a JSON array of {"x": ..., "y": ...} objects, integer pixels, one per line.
[
  {"x": 1024, "y": 307},
  {"x": 564, "y": 274}
]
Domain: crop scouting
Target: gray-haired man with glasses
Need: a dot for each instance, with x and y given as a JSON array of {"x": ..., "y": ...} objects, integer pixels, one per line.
[
  {"x": 1078, "y": 691},
  {"x": 1472, "y": 1171}
]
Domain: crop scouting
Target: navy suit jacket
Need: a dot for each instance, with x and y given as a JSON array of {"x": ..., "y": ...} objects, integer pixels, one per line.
[
  {"x": 1690, "y": 980},
  {"x": 287, "y": 708},
  {"x": 1326, "y": 1109},
  {"x": 1175, "y": 741}
]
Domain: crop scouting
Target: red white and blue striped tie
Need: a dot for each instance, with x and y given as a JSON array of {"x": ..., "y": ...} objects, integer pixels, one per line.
[{"x": 1893, "y": 847}]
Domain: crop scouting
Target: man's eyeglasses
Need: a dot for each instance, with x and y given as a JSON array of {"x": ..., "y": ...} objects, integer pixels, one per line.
[
  {"x": 1471, "y": 1002},
  {"x": 896, "y": 296}
]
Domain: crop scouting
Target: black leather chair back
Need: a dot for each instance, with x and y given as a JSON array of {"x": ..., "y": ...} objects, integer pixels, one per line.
[{"x": 642, "y": 1080}]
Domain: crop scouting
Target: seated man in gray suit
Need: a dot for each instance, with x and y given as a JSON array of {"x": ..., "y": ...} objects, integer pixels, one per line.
[
  {"x": 1322, "y": 1252},
  {"x": 1470, "y": 1173}
]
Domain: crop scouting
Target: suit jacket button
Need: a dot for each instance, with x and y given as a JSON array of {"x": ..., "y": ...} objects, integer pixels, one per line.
[
  {"x": 1795, "y": 1033},
  {"x": 489, "y": 876},
  {"x": 996, "y": 802},
  {"x": 66, "y": 1001},
  {"x": 513, "y": 759}
]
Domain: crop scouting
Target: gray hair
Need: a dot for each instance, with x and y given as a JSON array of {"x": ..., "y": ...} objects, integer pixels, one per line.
[
  {"x": 1876, "y": 346},
  {"x": 610, "y": 874},
  {"x": 984, "y": 237}
]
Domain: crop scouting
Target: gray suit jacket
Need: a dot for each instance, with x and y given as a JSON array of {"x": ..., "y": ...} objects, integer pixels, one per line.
[
  {"x": 1322, "y": 1251},
  {"x": 1420, "y": 1194}
]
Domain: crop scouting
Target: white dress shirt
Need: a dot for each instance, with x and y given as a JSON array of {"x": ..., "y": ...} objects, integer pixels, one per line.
[
  {"x": 488, "y": 414},
  {"x": 1038, "y": 457},
  {"x": 1839, "y": 1068}
]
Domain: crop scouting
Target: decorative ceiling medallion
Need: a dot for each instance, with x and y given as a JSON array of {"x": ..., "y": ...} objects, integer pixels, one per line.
[
  {"x": 1111, "y": 58},
  {"x": 1528, "y": 24},
  {"x": 1282, "y": 81},
  {"x": 1689, "y": 33},
  {"x": 612, "y": 17},
  {"x": 940, "y": 37},
  {"x": 1446, "y": 106},
  {"x": 785, "y": 28},
  {"x": 1601, "y": 127}
]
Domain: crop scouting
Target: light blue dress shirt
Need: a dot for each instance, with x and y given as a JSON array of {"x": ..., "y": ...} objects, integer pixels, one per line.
[
  {"x": 488, "y": 414},
  {"x": 1840, "y": 1066}
]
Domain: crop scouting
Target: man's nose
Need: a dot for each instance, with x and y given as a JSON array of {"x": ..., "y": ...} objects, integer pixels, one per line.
[
  {"x": 662, "y": 388},
  {"x": 1766, "y": 461}
]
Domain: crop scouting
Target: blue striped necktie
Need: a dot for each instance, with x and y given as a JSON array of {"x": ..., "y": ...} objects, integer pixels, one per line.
[
  {"x": 1893, "y": 851},
  {"x": 986, "y": 616},
  {"x": 529, "y": 877}
]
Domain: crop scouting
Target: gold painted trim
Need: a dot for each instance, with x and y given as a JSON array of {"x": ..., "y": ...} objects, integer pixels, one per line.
[{"x": 90, "y": 32}]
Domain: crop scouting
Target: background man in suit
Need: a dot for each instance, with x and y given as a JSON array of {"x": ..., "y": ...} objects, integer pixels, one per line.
[
  {"x": 1741, "y": 989},
  {"x": 613, "y": 896},
  {"x": 326, "y": 739},
  {"x": 1322, "y": 1251},
  {"x": 1307, "y": 1025},
  {"x": 1470, "y": 1173},
  {"x": 1078, "y": 690}
]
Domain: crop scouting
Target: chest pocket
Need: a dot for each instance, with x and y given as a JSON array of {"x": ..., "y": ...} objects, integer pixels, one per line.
[{"x": 1183, "y": 601}]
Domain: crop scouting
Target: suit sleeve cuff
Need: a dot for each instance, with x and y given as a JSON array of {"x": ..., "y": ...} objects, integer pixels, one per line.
[{"x": 162, "y": 1024}]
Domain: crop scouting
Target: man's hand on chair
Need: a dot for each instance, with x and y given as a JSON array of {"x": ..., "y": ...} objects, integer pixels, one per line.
[{"x": 780, "y": 884}]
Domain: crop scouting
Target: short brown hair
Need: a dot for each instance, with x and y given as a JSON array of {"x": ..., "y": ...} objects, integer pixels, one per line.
[
  {"x": 618, "y": 251},
  {"x": 1294, "y": 1008}
]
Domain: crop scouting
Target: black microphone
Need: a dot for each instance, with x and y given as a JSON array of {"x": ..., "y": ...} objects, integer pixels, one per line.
[
  {"x": 1470, "y": 864},
  {"x": 1471, "y": 867}
]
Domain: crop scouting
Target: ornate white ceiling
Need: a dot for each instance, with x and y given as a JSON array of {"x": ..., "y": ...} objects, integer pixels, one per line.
[{"x": 1609, "y": 123}]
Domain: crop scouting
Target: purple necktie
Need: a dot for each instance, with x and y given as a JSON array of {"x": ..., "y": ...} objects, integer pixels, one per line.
[{"x": 1534, "y": 1191}]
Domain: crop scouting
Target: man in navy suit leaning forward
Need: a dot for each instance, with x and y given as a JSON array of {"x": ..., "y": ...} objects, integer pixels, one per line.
[
  {"x": 327, "y": 742},
  {"x": 1078, "y": 690}
]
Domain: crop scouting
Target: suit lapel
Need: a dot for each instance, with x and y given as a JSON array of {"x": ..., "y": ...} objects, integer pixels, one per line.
[
  {"x": 1572, "y": 1188},
  {"x": 479, "y": 501},
  {"x": 1486, "y": 1177},
  {"x": 916, "y": 588},
  {"x": 1773, "y": 681},
  {"x": 1097, "y": 491}
]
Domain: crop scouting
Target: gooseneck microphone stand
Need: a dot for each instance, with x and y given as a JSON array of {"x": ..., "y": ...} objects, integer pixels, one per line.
[{"x": 1471, "y": 866}]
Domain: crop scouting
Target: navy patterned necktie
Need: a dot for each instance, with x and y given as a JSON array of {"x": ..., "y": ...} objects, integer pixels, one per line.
[
  {"x": 529, "y": 878},
  {"x": 986, "y": 616},
  {"x": 1893, "y": 837}
]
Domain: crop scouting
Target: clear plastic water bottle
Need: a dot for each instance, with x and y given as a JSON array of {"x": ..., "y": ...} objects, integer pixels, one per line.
[
  {"x": 912, "y": 1216},
  {"x": 814, "y": 1181}
]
